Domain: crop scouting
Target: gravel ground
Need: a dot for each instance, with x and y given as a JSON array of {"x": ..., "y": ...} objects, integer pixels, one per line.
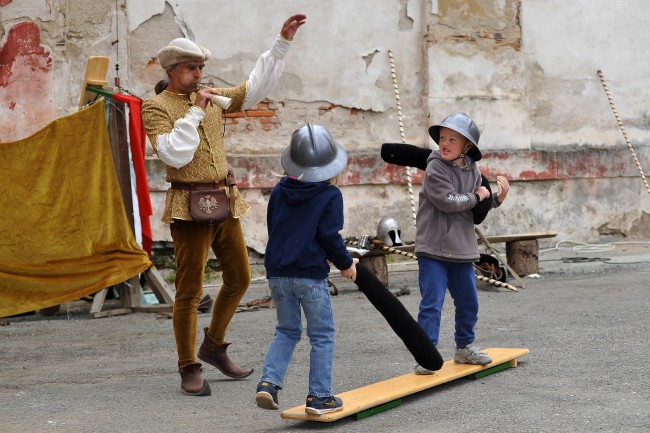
[{"x": 585, "y": 321}]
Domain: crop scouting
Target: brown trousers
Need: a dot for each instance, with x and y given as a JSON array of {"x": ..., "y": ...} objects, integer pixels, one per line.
[{"x": 192, "y": 243}]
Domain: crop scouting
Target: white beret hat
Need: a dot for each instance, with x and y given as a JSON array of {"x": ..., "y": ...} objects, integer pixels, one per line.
[{"x": 181, "y": 50}]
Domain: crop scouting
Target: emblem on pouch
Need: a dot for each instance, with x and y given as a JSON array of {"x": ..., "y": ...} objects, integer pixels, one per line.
[{"x": 208, "y": 204}]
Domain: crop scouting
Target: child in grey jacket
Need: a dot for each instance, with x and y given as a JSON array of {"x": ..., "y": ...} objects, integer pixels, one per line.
[{"x": 445, "y": 241}]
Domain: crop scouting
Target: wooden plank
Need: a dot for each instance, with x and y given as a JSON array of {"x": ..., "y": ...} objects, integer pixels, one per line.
[
  {"x": 119, "y": 140},
  {"x": 158, "y": 286},
  {"x": 130, "y": 292},
  {"x": 156, "y": 308},
  {"x": 114, "y": 312},
  {"x": 98, "y": 301},
  {"x": 520, "y": 237},
  {"x": 380, "y": 393},
  {"x": 96, "y": 69}
]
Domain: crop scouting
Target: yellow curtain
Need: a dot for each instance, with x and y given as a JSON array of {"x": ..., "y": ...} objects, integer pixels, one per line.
[{"x": 64, "y": 232}]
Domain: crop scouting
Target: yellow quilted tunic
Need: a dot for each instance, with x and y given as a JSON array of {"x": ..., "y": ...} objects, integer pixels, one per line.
[{"x": 209, "y": 162}]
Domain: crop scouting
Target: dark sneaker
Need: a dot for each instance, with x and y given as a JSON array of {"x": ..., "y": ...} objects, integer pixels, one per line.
[
  {"x": 471, "y": 355},
  {"x": 321, "y": 405},
  {"x": 267, "y": 396}
]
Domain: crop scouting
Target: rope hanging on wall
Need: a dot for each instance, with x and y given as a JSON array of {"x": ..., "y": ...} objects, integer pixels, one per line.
[
  {"x": 622, "y": 128},
  {"x": 407, "y": 170}
]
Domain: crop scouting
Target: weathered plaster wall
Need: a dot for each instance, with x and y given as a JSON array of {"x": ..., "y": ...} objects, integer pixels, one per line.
[
  {"x": 525, "y": 70},
  {"x": 27, "y": 99}
]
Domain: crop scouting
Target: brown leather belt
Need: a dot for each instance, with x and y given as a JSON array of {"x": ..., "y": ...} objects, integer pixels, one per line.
[
  {"x": 229, "y": 181},
  {"x": 199, "y": 186}
]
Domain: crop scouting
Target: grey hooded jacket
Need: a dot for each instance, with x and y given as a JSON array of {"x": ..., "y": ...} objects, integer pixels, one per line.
[{"x": 445, "y": 228}]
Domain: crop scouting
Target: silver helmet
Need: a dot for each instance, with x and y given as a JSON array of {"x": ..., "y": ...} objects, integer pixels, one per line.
[
  {"x": 313, "y": 155},
  {"x": 388, "y": 231},
  {"x": 464, "y": 125}
]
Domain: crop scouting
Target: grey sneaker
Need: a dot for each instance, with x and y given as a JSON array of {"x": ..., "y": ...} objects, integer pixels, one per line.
[
  {"x": 471, "y": 355},
  {"x": 421, "y": 371}
]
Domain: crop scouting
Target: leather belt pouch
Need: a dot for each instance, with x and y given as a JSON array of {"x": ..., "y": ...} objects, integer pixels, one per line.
[{"x": 209, "y": 203}]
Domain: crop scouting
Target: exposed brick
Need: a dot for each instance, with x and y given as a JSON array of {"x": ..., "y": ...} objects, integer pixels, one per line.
[
  {"x": 260, "y": 113},
  {"x": 237, "y": 114},
  {"x": 370, "y": 169}
]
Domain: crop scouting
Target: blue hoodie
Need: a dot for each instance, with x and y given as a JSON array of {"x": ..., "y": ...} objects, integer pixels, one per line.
[{"x": 303, "y": 221}]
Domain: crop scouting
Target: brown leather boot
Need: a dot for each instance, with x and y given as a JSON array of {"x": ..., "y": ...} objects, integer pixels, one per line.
[
  {"x": 191, "y": 381},
  {"x": 215, "y": 354}
]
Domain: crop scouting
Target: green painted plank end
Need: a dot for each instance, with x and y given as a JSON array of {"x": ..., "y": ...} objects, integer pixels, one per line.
[
  {"x": 380, "y": 408},
  {"x": 488, "y": 371}
]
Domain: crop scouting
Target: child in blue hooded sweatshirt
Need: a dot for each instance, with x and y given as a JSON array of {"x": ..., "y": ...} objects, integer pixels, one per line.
[{"x": 304, "y": 217}]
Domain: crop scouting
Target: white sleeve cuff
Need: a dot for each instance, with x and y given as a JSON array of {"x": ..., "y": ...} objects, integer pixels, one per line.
[
  {"x": 280, "y": 47},
  {"x": 195, "y": 116}
]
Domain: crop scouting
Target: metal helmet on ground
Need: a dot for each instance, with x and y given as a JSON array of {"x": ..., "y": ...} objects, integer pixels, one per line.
[
  {"x": 313, "y": 155},
  {"x": 388, "y": 231},
  {"x": 464, "y": 125}
]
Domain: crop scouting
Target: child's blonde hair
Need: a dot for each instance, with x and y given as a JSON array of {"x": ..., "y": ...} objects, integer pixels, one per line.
[{"x": 333, "y": 181}]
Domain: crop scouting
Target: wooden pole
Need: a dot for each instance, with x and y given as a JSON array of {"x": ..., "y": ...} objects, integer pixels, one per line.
[{"x": 118, "y": 134}]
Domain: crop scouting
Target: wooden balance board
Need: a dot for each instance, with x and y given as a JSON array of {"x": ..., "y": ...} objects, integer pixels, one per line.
[{"x": 381, "y": 396}]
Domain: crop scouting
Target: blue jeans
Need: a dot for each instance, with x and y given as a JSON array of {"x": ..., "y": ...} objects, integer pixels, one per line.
[
  {"x": 289, "y": 295},
  {"x": 435, "y": 276}
]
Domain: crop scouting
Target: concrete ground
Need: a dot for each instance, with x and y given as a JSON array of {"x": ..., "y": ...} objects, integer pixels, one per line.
[{"x": 585, "y": 321}]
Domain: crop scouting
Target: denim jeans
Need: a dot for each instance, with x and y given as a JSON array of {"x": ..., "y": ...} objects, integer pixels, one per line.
[
  {"x": 435, "y": 276},
  {"x": 289, "y": 295}
]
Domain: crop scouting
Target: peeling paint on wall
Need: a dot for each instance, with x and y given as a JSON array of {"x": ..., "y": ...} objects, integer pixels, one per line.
[
  {"x": 26, "y": 79},
  {"x": 524, "y": 70}
]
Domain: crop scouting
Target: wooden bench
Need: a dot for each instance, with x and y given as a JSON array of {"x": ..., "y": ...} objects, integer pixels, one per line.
[
  {"x": 522, "y": 254},
  {"x": 522, "y": 250}
]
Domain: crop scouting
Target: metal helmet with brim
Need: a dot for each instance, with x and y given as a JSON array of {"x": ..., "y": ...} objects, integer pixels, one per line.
[
  {"x": 464, "y": 125},
  {"x": 313, "y": 155}
]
